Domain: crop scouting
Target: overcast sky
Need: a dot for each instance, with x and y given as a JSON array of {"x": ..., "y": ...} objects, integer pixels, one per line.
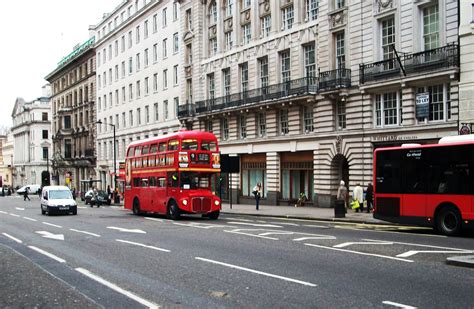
[{"x": 36, "y": 35}]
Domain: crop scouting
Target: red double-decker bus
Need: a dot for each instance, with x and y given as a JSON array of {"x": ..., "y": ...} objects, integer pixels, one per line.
[
  {"x": 427, "y": 185},
  {"x": 174, "y": 174}
]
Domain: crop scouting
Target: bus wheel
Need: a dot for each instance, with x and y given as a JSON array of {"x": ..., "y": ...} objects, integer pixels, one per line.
[
  {"x": 136, "y": 207},
  {"x": 214, "y": 215},
  {"x": 172, "y": 211},
  {"x": 448, "y": 221}
]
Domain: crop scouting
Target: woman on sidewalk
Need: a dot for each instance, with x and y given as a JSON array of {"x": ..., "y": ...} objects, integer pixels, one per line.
[{"x": 257, "y": 191}]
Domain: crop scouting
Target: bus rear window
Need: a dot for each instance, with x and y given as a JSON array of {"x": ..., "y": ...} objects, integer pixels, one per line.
[
  {"x": 173, "y": 144},
  {"x": 189, "y": 144},
  {"x": 209, "y": 145},
  {"x": 130, "y": 152}
]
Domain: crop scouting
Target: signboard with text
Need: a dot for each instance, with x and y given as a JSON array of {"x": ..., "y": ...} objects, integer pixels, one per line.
[{"x": 422, "y": 105}]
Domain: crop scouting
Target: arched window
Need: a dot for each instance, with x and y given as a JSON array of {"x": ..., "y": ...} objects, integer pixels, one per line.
[{"x": 212, "y": 13}]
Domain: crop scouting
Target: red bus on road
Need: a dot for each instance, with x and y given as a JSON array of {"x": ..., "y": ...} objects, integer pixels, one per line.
[
  {"x": 174, "y": 174},
  {"x": 427, "y": 185}
]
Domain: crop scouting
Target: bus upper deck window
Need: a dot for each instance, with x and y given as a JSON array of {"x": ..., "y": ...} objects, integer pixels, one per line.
[
  {"x": 145, "y": 149},
  {"x": 138, "y": 151},
  {"x": 173, "y": 145},
  {"x": 189, "y": 144},
  {"x": 153, "y": 148},
  {"x": 162, "y": 147},
  {"x": 209, "y": 145},
  {"x": 130, "y": 151}
]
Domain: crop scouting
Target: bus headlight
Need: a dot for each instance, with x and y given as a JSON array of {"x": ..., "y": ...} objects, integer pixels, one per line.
[
  {"x": 185, "y": 202},
  {"x": 216, "y": 202}
]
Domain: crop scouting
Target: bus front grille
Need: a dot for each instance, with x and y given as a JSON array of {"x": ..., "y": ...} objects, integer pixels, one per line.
[{"x": 201, "y": 204}]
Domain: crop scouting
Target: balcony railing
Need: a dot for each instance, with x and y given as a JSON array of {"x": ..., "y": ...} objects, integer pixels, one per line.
[
  {"x": 335, "y": 79},
  {"x": 429, "y": 60},
  {"x": 302, "y": 86}
]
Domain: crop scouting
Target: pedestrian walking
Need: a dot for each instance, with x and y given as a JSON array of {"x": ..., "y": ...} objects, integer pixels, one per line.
[
  {"x": 74, "y": 193},
  {"x": 369, "y": 196},
  {"x": 358, "y": 195},
  {"x": 25, "y": 194},
  {"x": 109, "y": 192},
  {"x": 341, "y": 197},
  {"x": 3, "y": 191},
  {"x": 257, "y": 191}
]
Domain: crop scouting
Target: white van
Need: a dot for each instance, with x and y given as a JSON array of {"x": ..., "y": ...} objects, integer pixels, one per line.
[
  {"x": 32, "y": 189},
  {"x": 57, "y": 199}
]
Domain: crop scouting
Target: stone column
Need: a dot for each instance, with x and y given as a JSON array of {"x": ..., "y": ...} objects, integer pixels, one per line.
[{"x": 273, "y": 177}]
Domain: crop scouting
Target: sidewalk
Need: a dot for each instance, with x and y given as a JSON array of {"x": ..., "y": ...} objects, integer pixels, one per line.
[{"x": 310, "y": 213}]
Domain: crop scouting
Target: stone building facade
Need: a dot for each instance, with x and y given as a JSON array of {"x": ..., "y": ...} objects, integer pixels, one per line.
[
  {"x": 73, "y": 116},
  {"x": 137, "y": 77},
  {"x": 6, "y": 158},
  {"x": 304, "y": 91},
  {"x": 31, "y": 138},
  {"x": 466, "y": 81}
]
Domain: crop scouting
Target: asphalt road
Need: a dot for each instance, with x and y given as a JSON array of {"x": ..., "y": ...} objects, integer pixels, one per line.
[{"x": 107, "y": 257}]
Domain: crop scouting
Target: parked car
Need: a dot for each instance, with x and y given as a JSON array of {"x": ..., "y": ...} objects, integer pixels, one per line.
[
  {"x": 57, "y": 199},
  {"x": 32, "y": 189},
  {"x": 97, "y": 198}
]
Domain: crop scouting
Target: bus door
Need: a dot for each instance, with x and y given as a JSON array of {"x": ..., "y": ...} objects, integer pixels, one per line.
[
  {"x": 160, "y": 195},
  {"x": 172, "y": 187},
  {"x": 414, "y": 182}
]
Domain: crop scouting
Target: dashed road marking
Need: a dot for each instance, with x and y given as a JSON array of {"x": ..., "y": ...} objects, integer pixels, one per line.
[
  {"x": 121, "y": 229},
  {"x": 13, "y": 238},
  {"x": 30, "y": 219},
  {"x": 84, "y": 232},
  {"x": 347, "y": 244},
  {"x": 50, "y": 224},
  {"x": 391, "y": 303},
  {"x": 255, "y": 224},
  {"x": 14, "y": 215},
  {"x": 19, "y": 208},
  {"x": 142, "y": 245},
  {"x": 50, "y": 255},
  {"x": 413, "y": 252},
  {"x": 256, "y": 272}
]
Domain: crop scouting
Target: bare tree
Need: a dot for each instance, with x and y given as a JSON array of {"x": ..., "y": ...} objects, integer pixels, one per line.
[{"x": 4, "y": 130}]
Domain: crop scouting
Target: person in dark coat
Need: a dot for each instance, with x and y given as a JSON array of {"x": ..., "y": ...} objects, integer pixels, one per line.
[
  {"x": 369, "y": 197},
  {"x": 25, "y": 194}
]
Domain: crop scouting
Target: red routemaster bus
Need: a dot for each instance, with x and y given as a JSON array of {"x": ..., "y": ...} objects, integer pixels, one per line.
[
  {"x": 174, "y": 174},
  {"x": 427, "y": 185}
]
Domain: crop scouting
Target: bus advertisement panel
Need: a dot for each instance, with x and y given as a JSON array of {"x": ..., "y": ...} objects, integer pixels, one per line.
[
  {"x": 427, "y": 185},
  {"x": 174, "y": 174}
]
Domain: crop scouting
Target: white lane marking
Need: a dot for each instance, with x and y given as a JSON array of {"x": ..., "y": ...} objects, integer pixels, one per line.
[
  {"x": 3, "y": 212},
  {"x": 387, "y": 231},
  {"x": 200, "y": 225},
  {"x": 237, "y": 219},
  {"x": 126, "y": 230},
  {"x": 142, "y": 245},
  {"x": 253, "y": 224},
  {"x": 14, "y": 215},
  {"x": 82, "y": 207},
  {"x": 361, "y": 253},
  {"x": 347, "y": 244},
  {"x": 46, "y": 234},
  {"x": 276, "y": 233},
  {"x": 391, "y": 303},
  {"x": 13, "y": 238},
  {"x": 413, "y": 252},
  {"x": 238, "y": 231},
  {"x": 19, "y": 208},
  {"x": 420, "y": 245},
  {"x": 284, "y": 223},
  {"x": 154, "y": 219},
  {"x": 50, "y": 224},
  {"x": 84, "y": 232},
  {"x": 256, "y": 272},
  {"x": 50, "y": 255},
  {"x": 315, "y": 237},
  {"x": 31, "y": 219},
  {"x": 316, "y": 226},
  {"x": 116, "y": 288}
]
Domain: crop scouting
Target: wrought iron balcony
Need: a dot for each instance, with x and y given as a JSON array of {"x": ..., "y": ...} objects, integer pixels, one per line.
[
  {"x": 186, "y": 110},
  {"x": 335, "y": 79},
  {"x": 429, "y": 60},
  {"x": 297, "y": 87}
]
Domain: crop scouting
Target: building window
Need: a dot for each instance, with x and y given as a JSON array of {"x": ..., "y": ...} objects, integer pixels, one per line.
[
  {"x": 147, "y": 114},
  {"x": 340, "y": 4},
  {"x": 246, "y": 33},
  {"x": 165, "y": 109},
  {"x": 189, "y": 90},
  {"x": 123, "y": 120},
  {"x": 176, "y": 107},
  {"x": 165, "y": 79},
  {"x": 211, "y": 86},
  {"x": 244, "y": 76},
  {"x": 145, "y": 29},
  {"x": 116, "y": 97},
  {"x": 263, "y": 71},
  {"x": 116, "y": 72},
  {"x": 165, "y": 49},
  {"x": 155, "y": 82},
  {"x": 155, "y": 23},
  {"x": 130, "y": 42},
  {"x": 137, "y": 35},
  {"x": 175, "y": 11},
  {"x": 155, "y": 107},
  {"x": 155, "y": 53},
  {"x": 45, "y": 153},
  {"x": 309, "y": 61},
  {"x": 67, "y": 122},
  {"x": 226, "y": 78},
  {"x": 175, "y": 75},
  {"x": 67, "y": 148},
  {"x": 138, "y": 89},
  {"x": 246, "y": 4},
  {"x": 138, "y": 62},
  {"x": 175, "y": 43},
  {"x": 164, "y": 21},
  {"x": 212, "y": 47},
  {"x": 340, "y": 51},
  {"x": 440, "y": 101},
  {"x": 386, "y": 109},
  {"x": 130, "y": 65},
  {"x": 44, "y": 116},
  {"x": 262, "y": 124},
  {"x": 341, "y": 115},
  {"x": 45, "y": 134},
  {"x": 130, "y": 118},
  {"x": 431, "y": 27},
  {"x": 189, "y": 54},
  {"x": 308, "y": 119},
  {"x": 225, "y": 128},
  {"x": 189, "y": 20},
  {"x": 146, "y": 86},
  {"x": 139, "y": 116},
  {"x": 228, "y": 7},
  {"x": 228, "y": 41},
  {"x": 265, "y": 25},
  {"x": 123, "y": 69},
  {"x": 123, "y": 95},
  {"x": 283, "y": 121},
  {"x": 287, "y": 17},
  {"x": 212, "y": 13},
  {"x": 145, "y": 56},
  {"x": 388, "y": 38},
  {"x": 285, "y": 66},
  {"x": 130, "y": 92},
  {"x": 208, "y": 126},
  {"x": 312, "y": 7},
  {"x": 243, "y": 127}
]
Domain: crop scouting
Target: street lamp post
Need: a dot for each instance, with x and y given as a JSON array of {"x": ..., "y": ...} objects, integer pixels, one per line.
[{"x": 115, "y": 154}]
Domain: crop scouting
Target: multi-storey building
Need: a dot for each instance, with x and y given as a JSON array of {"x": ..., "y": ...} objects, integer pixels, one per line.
[
  {"x": 304, "y": 91},
  {"x": 7, "y": 158},
  {"x": 466, "y": 80},
  {"x": 73, "y": 111},
  {"x": 137, "y": 77},
  {"x": 32, "y": 138}
]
